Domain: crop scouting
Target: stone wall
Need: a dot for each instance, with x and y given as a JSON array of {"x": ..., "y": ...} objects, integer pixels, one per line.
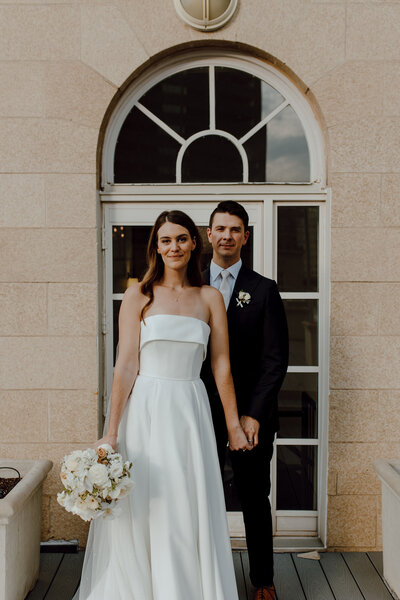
[{"x": 61, "y": 64}]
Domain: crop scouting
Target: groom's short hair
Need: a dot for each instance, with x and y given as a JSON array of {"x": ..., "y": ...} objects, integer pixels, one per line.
[{"x": 233, "y": 208}]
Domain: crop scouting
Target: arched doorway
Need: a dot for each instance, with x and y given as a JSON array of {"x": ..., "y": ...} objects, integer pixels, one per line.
[{"x": 205, "y": 126}]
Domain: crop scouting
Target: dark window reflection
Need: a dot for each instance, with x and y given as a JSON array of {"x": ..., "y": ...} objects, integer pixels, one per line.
[
  {"x": 298, "y": 402},
  {"x": 296, "y": 478},
  {"x": 129, "y": 255},
  {"x": 144, "y": 153},
  {"x": 256, "y": 149},
  {"x": 287, "y": 149},
  {"x": 212, "y": 159},
  {"x": 302, "y": 317},
  {"x": 298, "y": 248},
  {"x": 242, "y": 100},
  {"x": 181, "y": 101},
  {"x": 116, "y": 307}
]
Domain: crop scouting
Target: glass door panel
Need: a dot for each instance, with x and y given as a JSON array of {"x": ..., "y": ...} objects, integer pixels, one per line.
[
  {"x": 127, "y": 231},
  {"x": 297, "y": 445}
]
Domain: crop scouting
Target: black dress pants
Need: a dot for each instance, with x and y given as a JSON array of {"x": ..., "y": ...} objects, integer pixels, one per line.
[{"x": 251, "y": 470}]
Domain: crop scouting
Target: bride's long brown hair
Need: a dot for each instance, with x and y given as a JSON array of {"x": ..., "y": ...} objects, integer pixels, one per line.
[{"x": 155, "y": 264}]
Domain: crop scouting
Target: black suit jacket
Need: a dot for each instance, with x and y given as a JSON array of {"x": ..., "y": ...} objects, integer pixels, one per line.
[{"x": 258, "y": 346}]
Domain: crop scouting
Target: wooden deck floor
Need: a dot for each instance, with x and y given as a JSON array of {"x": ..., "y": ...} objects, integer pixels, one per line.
[{"x": 337, "y": 576}]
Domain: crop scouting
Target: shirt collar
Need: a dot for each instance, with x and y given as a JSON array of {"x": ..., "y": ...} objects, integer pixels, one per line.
[{"x": 215, "y": 270}]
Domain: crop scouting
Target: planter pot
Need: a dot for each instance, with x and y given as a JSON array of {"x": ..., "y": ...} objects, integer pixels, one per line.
[
  {"x": 20, "y": 517},
  {"x": 389, "y": 474}
]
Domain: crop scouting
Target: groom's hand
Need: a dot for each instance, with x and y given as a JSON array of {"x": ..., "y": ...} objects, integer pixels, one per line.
[{"x": 251, "y": 428}]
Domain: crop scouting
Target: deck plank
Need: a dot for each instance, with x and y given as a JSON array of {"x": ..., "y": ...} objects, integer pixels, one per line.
[
  {"x": 68, "y": 576},
  {"x": 377, "y": 560},
  {"x": 49, "y": 563},
  {"x": 241, "y": 586},
  {"x": 246, "y": 571},
  {"x": 368, "y": 580},
  {"x": 339, "y": 576},
  {"x": 313, "y": 580},
  {"x": 287, "y": 583}
]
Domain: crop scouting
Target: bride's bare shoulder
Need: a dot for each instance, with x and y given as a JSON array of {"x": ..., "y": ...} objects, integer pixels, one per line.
[
  {"x": 209, "y": 293},
  {"x": 133, "y": 295}
]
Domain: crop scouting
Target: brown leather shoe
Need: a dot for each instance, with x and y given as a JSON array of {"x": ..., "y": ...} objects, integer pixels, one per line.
[{"x": 265, "y": 593}]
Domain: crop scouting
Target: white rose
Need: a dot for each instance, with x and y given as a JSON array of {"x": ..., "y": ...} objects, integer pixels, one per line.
[
  {"x": 116, "y": 470},
  {"x": 98, "y": 475}
]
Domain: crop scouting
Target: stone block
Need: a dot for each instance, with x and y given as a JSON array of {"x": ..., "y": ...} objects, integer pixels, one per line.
[
  {"x": 74, "y": 92},
  {"x": 390, "y": 200},
  {"x": 156, "y": 24},
  {"x": 389, "y": 309},
  {"x": 365, "y": 363},
  {"x": 351, "y": 521},
  {"x": 355, "y": 199},
  {"x": 332, "y": 482},
  {"x": 49, "y": 363},
  {"x": 22, "y": 201},
  {"x": 23, "y": 416},
  {"x": 366, "y": 254},
  {"x": 45, "y": 525},
  {"x": 44, "y": 255},
  {"x": 352, "y": 415},
  {"x": 72, "y": 309},
  {"x": 47, "y": 146},
  {"x": 73, "y": 416},
  {"x": 271, "y": 24},
  {"x": 391, "y": 97},
  {"x": 23, "y": 307},
  {"x": 70, "y": 200},
  {"x": 388, "y": 417},
  {"x": 353, "y": 483},
  {"x": 372, "y": 31},
  {"x": 359, "y": 146},
  {"x": 22, "y": 89},
  {"x": 346, "y": 316},
  {"x": 354, "y": 90},
  {"x": 356, "y": 457},
  {"x": 108, "y": 43},
  {"x": 46, "y": 32}
]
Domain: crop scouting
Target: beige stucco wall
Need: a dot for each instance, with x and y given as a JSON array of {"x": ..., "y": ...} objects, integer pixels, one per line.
[{"x": 61, "y": 64}]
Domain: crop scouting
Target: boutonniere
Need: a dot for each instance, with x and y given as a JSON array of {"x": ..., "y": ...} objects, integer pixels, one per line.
[{"x": 243, "y": 298}]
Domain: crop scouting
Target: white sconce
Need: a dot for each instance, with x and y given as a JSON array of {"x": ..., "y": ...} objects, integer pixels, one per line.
[{"x": 206, "y": 15}]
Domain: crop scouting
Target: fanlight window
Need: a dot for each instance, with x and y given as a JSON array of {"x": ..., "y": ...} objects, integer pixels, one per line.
[{"x": 212, "y": 124}]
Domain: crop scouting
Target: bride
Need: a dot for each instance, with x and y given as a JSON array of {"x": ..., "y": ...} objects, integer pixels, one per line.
[{"x": 170, "y": 540}]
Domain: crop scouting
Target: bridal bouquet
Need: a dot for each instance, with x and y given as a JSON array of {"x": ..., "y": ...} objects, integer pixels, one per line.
[{"x": 93, "y": 482}]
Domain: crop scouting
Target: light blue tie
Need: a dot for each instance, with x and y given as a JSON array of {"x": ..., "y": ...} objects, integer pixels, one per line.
[{"x": 225, "y": 288}]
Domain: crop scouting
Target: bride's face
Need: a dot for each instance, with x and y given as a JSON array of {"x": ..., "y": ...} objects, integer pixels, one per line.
[{"x": 175, "y": 245}]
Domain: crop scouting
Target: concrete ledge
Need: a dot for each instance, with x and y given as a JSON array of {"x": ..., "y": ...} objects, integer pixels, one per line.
[
  {"x": 20, "y": 517},
  {"x": 389, "y": 474},
  {"x": 33, "y": 473}
]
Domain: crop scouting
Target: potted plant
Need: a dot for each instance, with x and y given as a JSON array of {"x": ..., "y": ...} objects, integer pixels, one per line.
[{"x": 20, "y": 518}]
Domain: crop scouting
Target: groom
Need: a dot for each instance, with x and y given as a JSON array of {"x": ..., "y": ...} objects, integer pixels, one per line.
[{"x": 258, "y": 344}]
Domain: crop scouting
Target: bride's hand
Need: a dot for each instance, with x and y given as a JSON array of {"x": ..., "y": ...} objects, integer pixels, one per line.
[
  {"x": 237, "y": 439},
  {"x": 107, "y": 439}
]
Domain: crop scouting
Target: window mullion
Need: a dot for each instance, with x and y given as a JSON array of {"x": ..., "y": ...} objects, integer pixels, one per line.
[{"x": 212, "y": 97}]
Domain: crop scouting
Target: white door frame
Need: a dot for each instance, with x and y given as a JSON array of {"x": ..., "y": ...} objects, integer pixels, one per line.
[{"x": 134, "y": 204}]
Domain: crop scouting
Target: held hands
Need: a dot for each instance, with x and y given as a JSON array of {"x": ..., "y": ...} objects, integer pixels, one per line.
[
  {"x": 237, "y": 439},
  {"x": 251, "y": 428},
  {"x": 107, "y": 439}
]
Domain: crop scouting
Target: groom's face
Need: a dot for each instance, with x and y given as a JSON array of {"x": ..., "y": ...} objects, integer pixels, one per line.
[{"x": 227, "y": 236}]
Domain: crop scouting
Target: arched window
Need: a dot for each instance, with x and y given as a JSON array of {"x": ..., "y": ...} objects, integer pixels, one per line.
[
  {"x": 200, "y": 127},
  {"x": 214, "y": 121}
]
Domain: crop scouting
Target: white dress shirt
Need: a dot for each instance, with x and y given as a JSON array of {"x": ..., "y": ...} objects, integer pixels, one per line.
[{"x": 215, "y": 274}]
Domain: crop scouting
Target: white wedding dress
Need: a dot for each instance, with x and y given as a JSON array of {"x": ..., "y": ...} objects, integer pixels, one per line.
[{"x": 171, "y": 540}]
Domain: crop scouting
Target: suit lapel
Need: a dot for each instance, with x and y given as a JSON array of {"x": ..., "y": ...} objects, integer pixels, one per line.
[
  {"x": 246, "y": 282},
  {"x": 206, "y": 275}
]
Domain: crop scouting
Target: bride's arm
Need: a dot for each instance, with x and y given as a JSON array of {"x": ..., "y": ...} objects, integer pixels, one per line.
[
  {"x": 126, "y": 367},
  {"x": 221, "y": 368}
]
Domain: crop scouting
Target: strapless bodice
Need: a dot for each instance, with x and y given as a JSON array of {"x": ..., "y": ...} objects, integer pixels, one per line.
[{"x": 172, "y": 346}]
